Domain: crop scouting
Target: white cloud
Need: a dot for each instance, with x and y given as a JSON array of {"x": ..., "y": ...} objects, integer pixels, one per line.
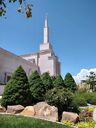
[{"x": 82, "y": 75}]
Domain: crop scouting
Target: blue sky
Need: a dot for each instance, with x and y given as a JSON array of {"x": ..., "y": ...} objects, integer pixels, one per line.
[{"x": 72, "y": 26}]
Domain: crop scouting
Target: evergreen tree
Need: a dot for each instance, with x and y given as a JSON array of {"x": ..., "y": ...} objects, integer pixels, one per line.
[
  {"x": 17, "y": 90},
  {"x": 58, "y": 81},
  {"x": 36, "y": 87},
  {"x": 47, "y": 81},
  {"x": 70, "y": 82}
]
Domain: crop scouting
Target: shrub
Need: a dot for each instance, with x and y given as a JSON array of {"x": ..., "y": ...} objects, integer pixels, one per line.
[
  {"x": 36, "y": 87},
  {"x": 58, "y": 81},
  {"x": 79, "y": 100},
  {"x": 47, "y": 81},
  {"x": 82, "y": 99},
  {"x": 90, "y": 97},
  {"x": 17, "y": 89},
  {"x": 89, "y": 124},
  {"x": 61, "y": 98},
  {"x": 70, "y": 82}
]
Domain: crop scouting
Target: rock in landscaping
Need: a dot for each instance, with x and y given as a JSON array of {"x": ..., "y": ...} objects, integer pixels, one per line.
[
  {"x": 15, "y": 109},
  {"x": 28, "y": 111},
  {"x": 45, "y": 111},
  {"x": 2, "y": 109},
  {"x": 70, "y": 116}
]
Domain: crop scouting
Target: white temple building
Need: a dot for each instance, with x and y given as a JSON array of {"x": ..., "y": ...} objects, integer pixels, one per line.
[
  {"x": 45, "y": 59},
  {"x": 42, "y": 61}
]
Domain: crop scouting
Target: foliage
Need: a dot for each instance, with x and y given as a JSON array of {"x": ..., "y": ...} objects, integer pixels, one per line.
[
  {"x": 47, "y": 81},
  {"x": 84, "y": 98},
  {"x": 88, "y": 108},
  {"x": 91, "y": 80},
  {"x": 70, "y": 82},
  {"x": 89, "y": 124},
  {"x": 17, "y": 89},
  {"x": 61, "y": 98},
  {"x": 23, "y": 6},
  {"x": 36, "y": 87},
  {"x": 79, "y": 99},
  {"x": 10, "y": 121},
  {"x": 90, "y": 97},
  {"x": 58, "y": 81},
  {"x": 68, "y": 122}
]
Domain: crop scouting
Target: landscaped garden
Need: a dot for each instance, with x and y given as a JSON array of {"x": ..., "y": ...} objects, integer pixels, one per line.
[{"x": 51, "y": 98}]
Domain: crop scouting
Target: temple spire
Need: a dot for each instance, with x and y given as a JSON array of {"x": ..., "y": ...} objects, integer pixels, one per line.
[{"x": 46, "y": 31}]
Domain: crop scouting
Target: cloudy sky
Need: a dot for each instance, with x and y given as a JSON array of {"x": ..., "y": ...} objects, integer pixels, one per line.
[
  {"x": 72, "y": 26},
  {"x": 82, "y": 74}
]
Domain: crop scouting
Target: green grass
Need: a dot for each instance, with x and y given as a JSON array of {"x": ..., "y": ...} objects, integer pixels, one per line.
[{"x": 10, "y": 121}]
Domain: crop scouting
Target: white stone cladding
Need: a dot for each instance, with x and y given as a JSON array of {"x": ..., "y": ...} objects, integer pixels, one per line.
[{"x": 9, "y": 62}]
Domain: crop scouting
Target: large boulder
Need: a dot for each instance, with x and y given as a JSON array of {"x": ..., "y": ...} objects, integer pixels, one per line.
[
  {"x": 14, "y": 109},
  {"x": 70, "y": 116},
  {"x": 2, "y": 109},
  {"x": 45, "y": 111},
  {"x": 28, "y": 111}
]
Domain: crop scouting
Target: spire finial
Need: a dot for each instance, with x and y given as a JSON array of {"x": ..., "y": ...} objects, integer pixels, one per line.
[
  {"x": 46, "y": 31},
  {"x": 46, "y": 21}
]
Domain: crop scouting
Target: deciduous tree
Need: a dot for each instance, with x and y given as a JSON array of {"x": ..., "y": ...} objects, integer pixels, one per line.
[{"x": 24, "y": 7}]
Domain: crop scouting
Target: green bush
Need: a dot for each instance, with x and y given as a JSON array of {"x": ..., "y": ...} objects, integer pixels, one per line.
[
  {"x": 47, "y": 81},
  {"x": 82, "y": 99},
  {"x": 36, "y": 87},
  {"x": 79, "y": 99},
  {"x": 17, "y": 89},
  {"x": 90, "y": 97},
  {"x": 61, "y": 98}
]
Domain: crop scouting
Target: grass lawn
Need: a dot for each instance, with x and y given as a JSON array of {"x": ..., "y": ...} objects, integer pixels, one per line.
[{"x": 10, "y": 121}]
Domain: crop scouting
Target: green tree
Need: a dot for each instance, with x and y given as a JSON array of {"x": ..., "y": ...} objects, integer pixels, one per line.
[
  {"x": 36, "y": 87},
  {"x": 47, "y": 81},
  {"x": 91, "y": 80},
  {"x": 70, "y": 82},
  {"x": 23, "y": 6},
  {"x": 58, "y": 81},
  {"x": 17, "y": 90}
]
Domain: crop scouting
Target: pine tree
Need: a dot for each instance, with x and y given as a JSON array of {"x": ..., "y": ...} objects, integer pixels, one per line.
[
  {"x": 17, "y": 89},
  {"x": 70, "y": 82},
  {"x": 58, "y": 81},
  {"x": 47, "y": 81},
  {"x": 36, "y": 87}
]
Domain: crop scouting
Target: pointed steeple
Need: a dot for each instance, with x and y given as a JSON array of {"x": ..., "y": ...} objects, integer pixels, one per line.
[
  {"x": 46, "y": 45},
  {"x": 46, "y": 22},
  {"x": 46, "y": 31}
]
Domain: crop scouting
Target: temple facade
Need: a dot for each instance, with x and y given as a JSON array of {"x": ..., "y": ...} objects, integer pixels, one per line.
[{"x": 43, "y": 61}]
